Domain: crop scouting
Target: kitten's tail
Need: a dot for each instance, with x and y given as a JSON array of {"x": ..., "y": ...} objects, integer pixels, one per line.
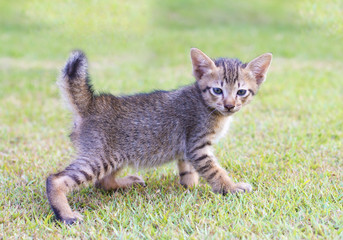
[{"x": 75, "y": 85}]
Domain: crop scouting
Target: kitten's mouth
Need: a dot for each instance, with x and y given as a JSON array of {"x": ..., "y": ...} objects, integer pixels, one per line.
[{"x": 228, "y": 112}]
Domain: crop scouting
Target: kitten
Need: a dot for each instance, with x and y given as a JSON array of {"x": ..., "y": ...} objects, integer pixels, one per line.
[{"x": 111, "y": 132}]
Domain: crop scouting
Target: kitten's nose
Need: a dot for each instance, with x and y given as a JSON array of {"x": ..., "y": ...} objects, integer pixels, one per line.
[{"x": 229, "y": 107}]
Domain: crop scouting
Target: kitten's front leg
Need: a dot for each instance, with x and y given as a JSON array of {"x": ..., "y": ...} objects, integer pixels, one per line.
[
  {"x": 206, "y": 165},
  {"x": 188, "y": 176}
]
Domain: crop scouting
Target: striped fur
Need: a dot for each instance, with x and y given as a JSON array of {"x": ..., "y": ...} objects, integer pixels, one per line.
[{"x": 146, "y": 130}]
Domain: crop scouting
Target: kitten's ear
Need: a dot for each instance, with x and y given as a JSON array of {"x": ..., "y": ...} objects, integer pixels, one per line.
[
  {"x": 202, "y": 64},
  {"x": 259, "y": 67}
]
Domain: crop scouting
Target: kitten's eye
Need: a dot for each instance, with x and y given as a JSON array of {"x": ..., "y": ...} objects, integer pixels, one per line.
[
  {"x": 241, "y": 92},
  {"x": 217, "y": 91}
]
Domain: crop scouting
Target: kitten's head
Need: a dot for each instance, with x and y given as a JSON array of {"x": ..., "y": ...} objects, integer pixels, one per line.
[{"x": 227, "y": 84}]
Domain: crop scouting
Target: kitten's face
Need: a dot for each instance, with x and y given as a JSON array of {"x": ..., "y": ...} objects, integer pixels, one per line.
[{"x": 227, "y": 84}]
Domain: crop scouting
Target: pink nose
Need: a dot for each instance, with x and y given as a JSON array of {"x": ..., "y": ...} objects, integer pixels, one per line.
[{"x": 229, "y": 107}]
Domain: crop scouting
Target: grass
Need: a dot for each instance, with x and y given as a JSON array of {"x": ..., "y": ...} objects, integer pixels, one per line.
[{"x": 287, "y": 143}]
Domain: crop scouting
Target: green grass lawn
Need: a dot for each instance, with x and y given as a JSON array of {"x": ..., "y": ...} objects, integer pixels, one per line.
[{"x": 287, "y": 143}]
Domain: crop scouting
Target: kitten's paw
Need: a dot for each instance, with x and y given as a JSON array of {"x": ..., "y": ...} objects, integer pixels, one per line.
[
  {"x": 133, "y": 180},
  {"x": 189, "y": 180},
  {"x": 110, "y": 183},
  {"x": 241, "y": 187},
  {"x": 73, "y": 218}
]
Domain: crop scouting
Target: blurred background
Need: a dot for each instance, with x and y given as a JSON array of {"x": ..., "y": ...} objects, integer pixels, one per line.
[{"x": 292, "y": 132}]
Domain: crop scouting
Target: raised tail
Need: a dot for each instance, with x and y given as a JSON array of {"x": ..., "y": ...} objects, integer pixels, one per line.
[{"x": 75, "y": 85}]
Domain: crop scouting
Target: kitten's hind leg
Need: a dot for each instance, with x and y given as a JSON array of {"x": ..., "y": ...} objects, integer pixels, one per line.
[
  {"x": 188, "y": 176},
  {"x": 111, "y": 182},
  {"x": 82, "y": 171},
  {"x": 57, "y": 186}
]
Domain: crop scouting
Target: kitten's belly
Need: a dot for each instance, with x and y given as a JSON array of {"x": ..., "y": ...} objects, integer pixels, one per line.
[{"x": 154, "y": 160}]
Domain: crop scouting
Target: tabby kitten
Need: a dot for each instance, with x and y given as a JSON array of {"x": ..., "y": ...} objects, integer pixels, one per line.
[{"x": 145, "y": 130}]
